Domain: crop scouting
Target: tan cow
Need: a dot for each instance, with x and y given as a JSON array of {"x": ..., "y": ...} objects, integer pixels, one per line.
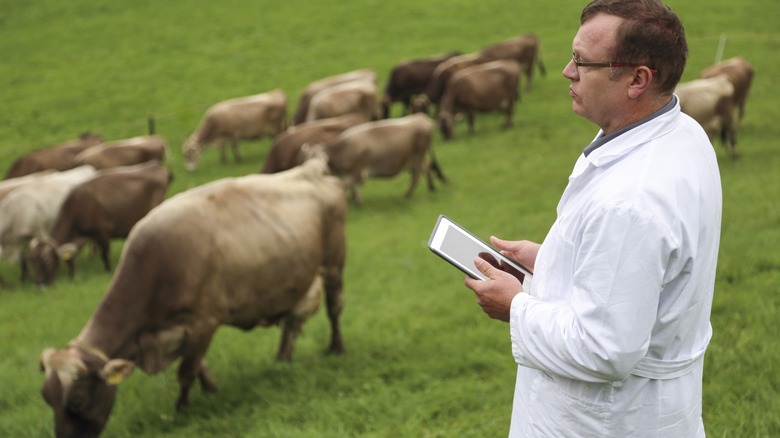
[
  {"x": 354, "y": 97},
  {"x": 383, "y": 149},
  {"x": 124, "y": 152},
  {"x": 434, "y": 91},
  {"x": 105, "y": 207},
  {"x": 242, "y": 118},
  {"x": 710, "y": 102},
  {"x": 59, "y": 157},
  {"x": 11, "y": 184},
  {"x": 740, "y": 74},
  {"x": 285, "y": 151},
  {"x": 485, "y": 87},
  {"x": 313, "y": 88},
  {"x": 244, "y": 252},
  {"x": 523, "y": 49}
]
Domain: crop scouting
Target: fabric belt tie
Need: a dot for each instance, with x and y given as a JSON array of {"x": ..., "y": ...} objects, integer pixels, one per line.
[{"x": 660, "y": 369}]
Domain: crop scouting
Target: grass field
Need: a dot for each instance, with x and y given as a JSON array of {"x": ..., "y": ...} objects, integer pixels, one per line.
[{"x": 422, "y": 360}]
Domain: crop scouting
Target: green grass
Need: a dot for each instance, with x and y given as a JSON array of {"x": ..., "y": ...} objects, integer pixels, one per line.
[{"x": 422, "y": 360}]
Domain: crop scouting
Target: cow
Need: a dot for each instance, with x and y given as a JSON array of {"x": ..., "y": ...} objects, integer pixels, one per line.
[
  {"x": 354, "y": 97},
  {"x": 313, "y": 88},
  {"x": 710, "y": 102},
  {"x": 242, "y": 118},
  {"x": 58, "y": 158},
  {"x": 409, "y": 79},
  {"x": 125, "y": 152},
  {"x": 523, "y": 49},
  {"x": 11, "y": 184},
  {"x": 29, "y": 211},
  {"x": 434, "y": 90},
  {"x": 104, "y": 207},
  {"x": 383, "y": 148},
  {"x": 285, "y": 151},
  {"x": 486, "y": 87},
  {"x": 245, "y": 252},
  {"x": 740, "y": 74}
]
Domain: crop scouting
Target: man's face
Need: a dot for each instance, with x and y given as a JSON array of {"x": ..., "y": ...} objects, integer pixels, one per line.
[{"x": 594, "y": 95}]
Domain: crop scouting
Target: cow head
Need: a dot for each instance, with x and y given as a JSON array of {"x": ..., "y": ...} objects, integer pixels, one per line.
[
  {"x": 191, "y": 149},
  {"x": 81, "y": 390},
  {"x": 44, "y": 257}
]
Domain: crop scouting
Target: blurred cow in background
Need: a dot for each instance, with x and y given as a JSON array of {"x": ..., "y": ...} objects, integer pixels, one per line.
[
  {"x": 104, "y": 207},
  {"x": 60, "y": 157},
  {"x": 439, "y": 79},
  {"x": 11, "y": 184},
  {"x": 242, "y": 118},
  {"x": 485, "y": 87},
  {"x": 285, "y": 151},
  {"x": 124, "y": 152},
  {"x": 408, "y": 79},
  {"x": 740, "y": 73},
  {"x": 382, "y": 149},
  {"x": 710, "y": 102},
  {"x": 302, "y": 111},
  {"x": 523, "y": 49},
  {"x": 354, "y": 97},
  {"x": 247, "y": 252},
  {"x": 28, "y": 212}
]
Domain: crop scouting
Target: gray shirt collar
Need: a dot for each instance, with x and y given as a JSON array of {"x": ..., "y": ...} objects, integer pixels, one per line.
[{"x": 602, "y": 139}]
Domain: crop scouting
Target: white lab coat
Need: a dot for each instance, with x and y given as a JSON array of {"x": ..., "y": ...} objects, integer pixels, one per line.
[{"x": 611, "y": 335}]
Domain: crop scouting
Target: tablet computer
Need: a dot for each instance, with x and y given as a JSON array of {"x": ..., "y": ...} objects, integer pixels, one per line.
[{"x": 459, "y": 247}]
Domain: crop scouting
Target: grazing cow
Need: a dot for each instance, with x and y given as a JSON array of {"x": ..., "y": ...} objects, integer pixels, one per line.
[
  {"x": 124, "y": 152},
  {"x": 409, "y": 79},
  {"x": 303, "y": 102},
  {"x": 285, "y": 151},
  {"x": 740, "y": 74},
  {"x": 440, "y": 77},
  {"x": 57, "y": 158},
  {"x": 243, "y": 118},
  {"x": 487, "y": 87},
  {"x": 243, "y": 252},
  {"x": 355, "y": 97},
  {"x": 710, "y": 102},
  {"x": 29, "y": 211},
  {"x": 104, "y": 207},
  {"x": 11, "y": 184},
  {"x": 383, "y": 149},
  {"x": 523, "y": 49}
]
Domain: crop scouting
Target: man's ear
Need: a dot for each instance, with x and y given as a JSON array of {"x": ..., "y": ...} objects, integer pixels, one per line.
[{"x": 640, "y": 81}]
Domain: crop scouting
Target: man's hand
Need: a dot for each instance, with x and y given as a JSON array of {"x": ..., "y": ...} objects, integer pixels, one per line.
[{"x": 495, "y": 294}]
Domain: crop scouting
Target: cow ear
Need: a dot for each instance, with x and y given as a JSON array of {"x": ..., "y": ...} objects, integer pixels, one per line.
[
  {"x": 116, "y": 370},
  {"x": 67, "y": 251}
]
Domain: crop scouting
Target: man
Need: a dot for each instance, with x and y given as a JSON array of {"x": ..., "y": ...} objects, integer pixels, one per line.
[{"x": 610, "y": 332}]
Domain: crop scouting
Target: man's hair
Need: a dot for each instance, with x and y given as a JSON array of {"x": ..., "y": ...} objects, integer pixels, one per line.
[{"x": 650, "y": 34}]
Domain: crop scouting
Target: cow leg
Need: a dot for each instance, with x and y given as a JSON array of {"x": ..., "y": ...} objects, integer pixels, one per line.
[
  {"x": 509, "y": 112},
  {"x": 105, "y": 252},
  {"x": 190, "y": 367},
  {"x": 415, "y": 178},
  {"x": 470, "y": 118},
  {"x": 291, "y": 326},
  {"x": 207, "y": 382},
  {"x": 334, "y": 301},
  {"x": 236, "y": 153}
]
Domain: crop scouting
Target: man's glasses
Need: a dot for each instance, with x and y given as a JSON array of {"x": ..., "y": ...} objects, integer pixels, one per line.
[{"x": 579, "y": 64}]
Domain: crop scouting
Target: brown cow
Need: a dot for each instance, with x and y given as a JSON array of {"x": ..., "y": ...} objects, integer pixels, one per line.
[
  {"x": 710, "y": 102},
  {"x": 60, "y": 157},
  {"x": 523, "y": 49},
  {"x": 242, "y": 118},
  {"x": 409, "y": 79},
  {"x": 102, "y": 208},
  {"x": 354, "y": 97},
  {"x": 285, "y": 151},
  {"x": 383, "y": 149},
  {"x": 441, "y": 76},
  {"x": 486, "y": 87},
  {"x": 740, "y": 74},
  {"x": 243, "y": 252},
  {"x": 313, "y": 88},
  {"x": 124, "y": 152}
]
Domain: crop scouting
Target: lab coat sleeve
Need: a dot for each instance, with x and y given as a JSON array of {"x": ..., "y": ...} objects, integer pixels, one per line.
[{"x": 602, "y": 329}]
